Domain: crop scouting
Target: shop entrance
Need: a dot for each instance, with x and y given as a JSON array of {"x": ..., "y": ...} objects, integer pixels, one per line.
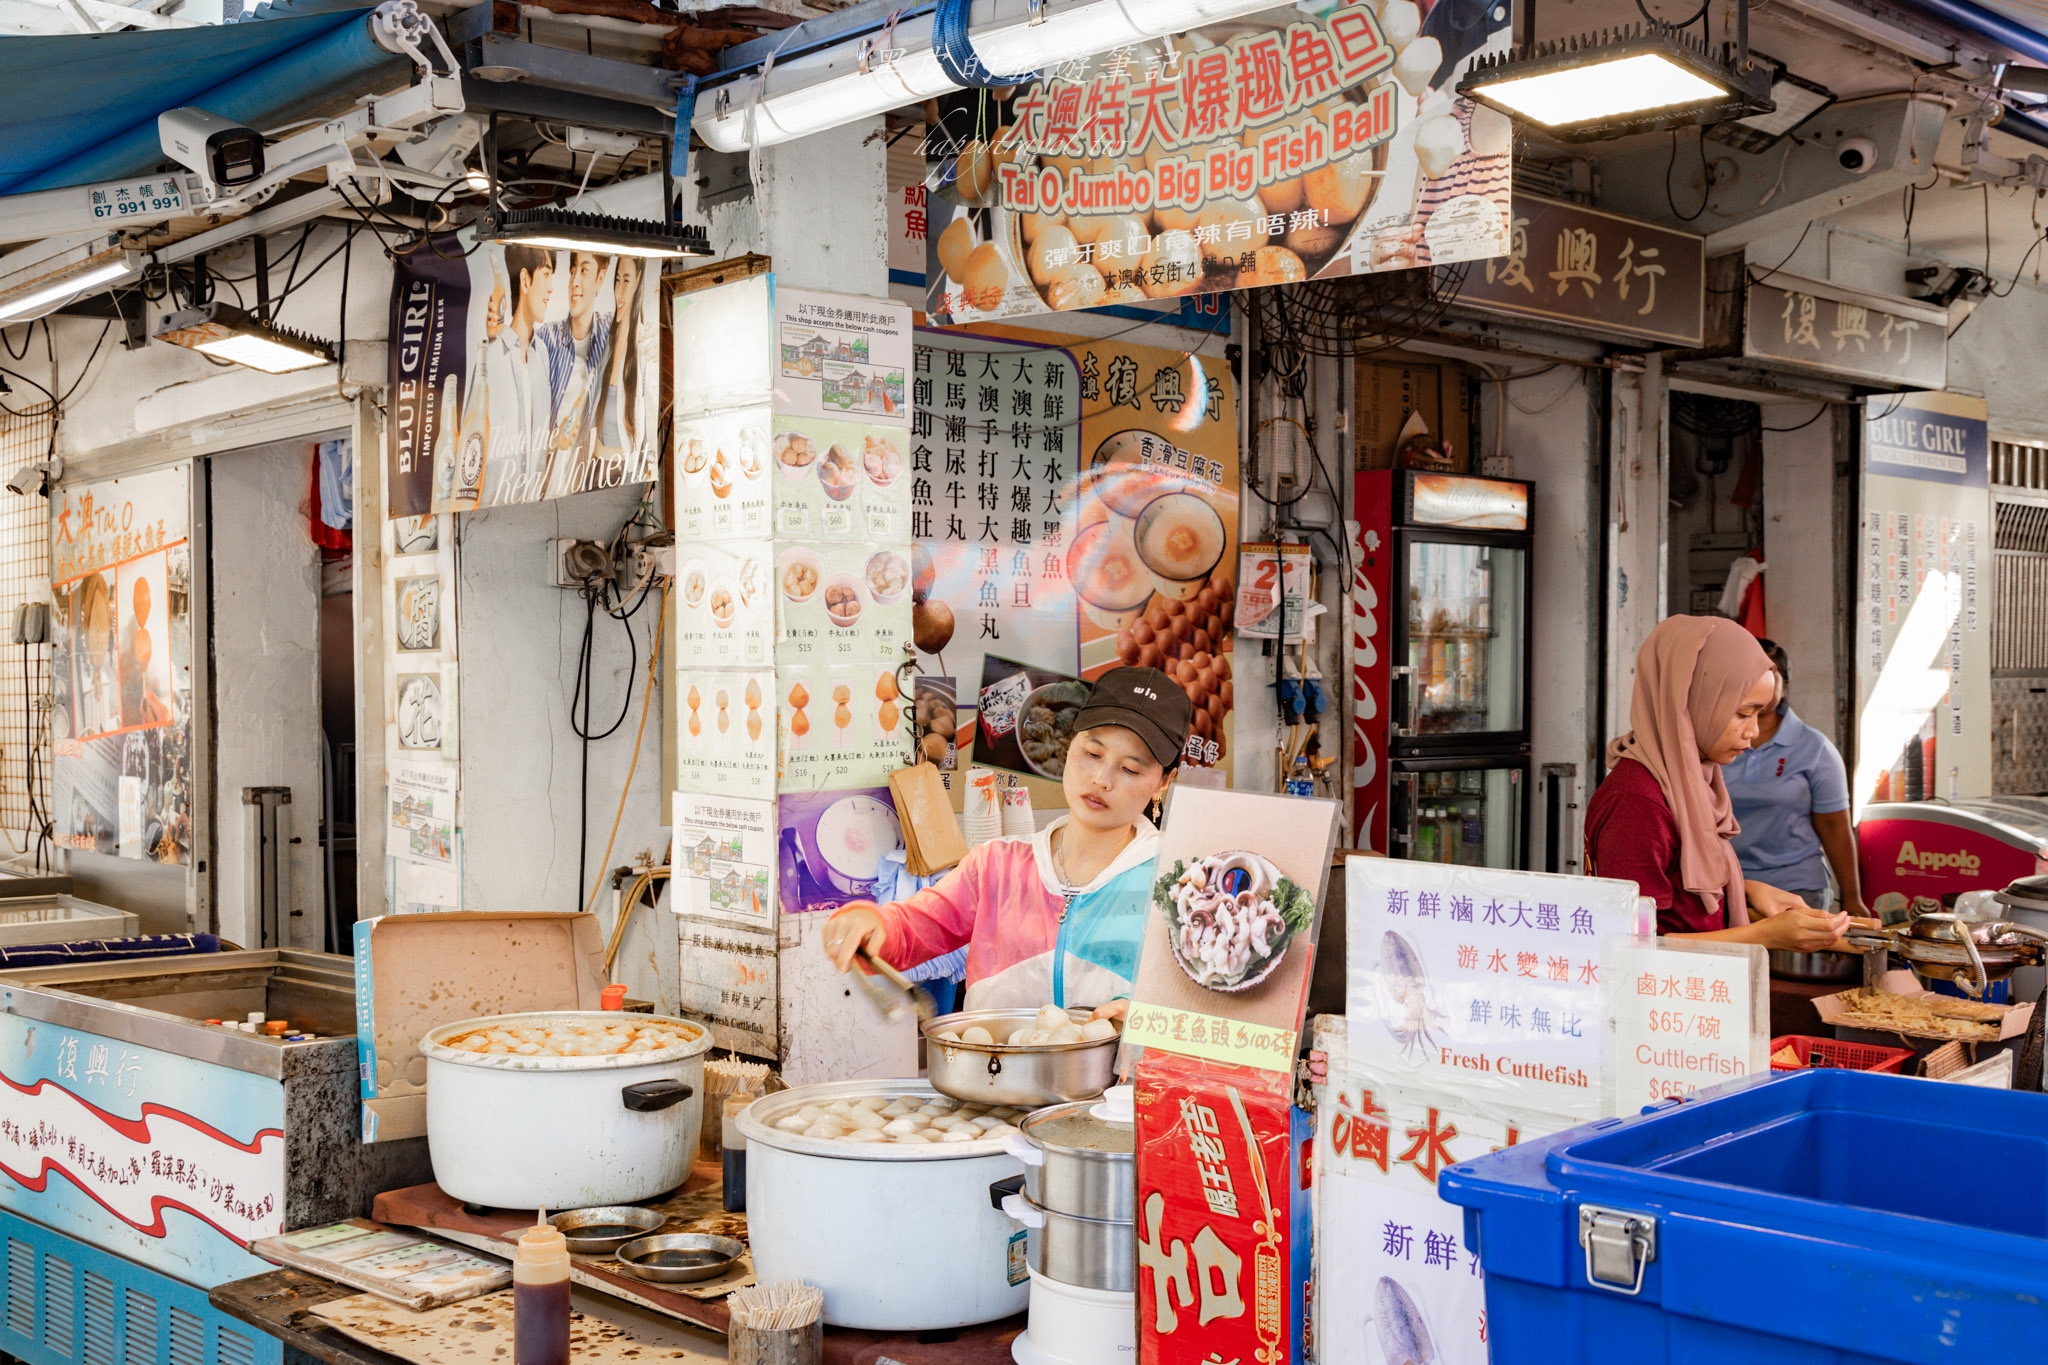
[{"x": 1717, "y": 502}]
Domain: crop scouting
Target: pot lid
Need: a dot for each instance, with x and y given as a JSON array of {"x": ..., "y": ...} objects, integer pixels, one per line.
[
  {"x": 1081, "y": 1128},
  {"x": 2028, "y": 893},
  {"x": 759, "y": 1120}
]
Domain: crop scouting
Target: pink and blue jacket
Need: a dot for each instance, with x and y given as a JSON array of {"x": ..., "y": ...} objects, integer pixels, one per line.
[{"x": 1026, "y": 942}]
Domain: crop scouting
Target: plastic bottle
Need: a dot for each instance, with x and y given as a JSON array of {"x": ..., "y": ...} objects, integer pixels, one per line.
[
  {"x": 540, "y": 1296},
  {"x": 1425, "y": 837},
  {"x": 734, "y": 1144}
]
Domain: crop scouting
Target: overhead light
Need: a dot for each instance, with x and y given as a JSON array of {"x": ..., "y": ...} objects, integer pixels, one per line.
[
  {"x": 477, "y": 181},
  {"x": 565, "y": 230},
  {"x": 227, "y": 333},
  {"x": 1797, "y": 100},
  {"x": 61, "y": 291},
  {"x": 1633, "y": 80},
  {"x": 878, "y": 70}
]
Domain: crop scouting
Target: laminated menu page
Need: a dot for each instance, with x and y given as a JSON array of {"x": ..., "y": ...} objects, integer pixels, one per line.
[{"x": 392, "y": 1263}]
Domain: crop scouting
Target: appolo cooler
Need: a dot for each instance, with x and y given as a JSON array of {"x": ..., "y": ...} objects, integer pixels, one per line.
[{"x": 1942, "y": 848}]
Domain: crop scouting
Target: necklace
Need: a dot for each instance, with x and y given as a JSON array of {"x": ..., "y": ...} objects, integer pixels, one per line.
[{"x": 1059, "y": 865}]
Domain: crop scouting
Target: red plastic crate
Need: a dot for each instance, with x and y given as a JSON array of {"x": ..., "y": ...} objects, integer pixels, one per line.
[{"x": 1833, "y": 1052}]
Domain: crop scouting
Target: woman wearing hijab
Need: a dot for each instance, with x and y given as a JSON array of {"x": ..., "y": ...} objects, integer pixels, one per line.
[{"x": 1662, "y": 818}]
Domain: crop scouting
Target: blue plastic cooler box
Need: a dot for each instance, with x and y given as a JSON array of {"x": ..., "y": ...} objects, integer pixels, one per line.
[{"x": 1795, "y": 1219}]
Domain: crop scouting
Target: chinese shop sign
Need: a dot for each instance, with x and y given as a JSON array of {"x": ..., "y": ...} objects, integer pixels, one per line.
[
  {"x": 1875, "y": 339},
  {"x": 1572, "y": 265},
  {"x": 1482, "y": 983},
  {"x": 1278, "y": 149}
]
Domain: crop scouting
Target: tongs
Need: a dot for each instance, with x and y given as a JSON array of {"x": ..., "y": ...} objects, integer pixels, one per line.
[{"x": 892, "y": 1003}]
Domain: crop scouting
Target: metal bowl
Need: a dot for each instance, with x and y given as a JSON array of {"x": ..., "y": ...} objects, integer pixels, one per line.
[
  {"x": 1816, "y": 967},
  {"x": 1030, "y": 1077},
  {"x": 679, "y": 1257},
  {"x": 600, "y": 1230}
]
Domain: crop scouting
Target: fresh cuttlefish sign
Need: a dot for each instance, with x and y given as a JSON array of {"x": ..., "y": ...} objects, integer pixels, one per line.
[
  {"x": 1472, "y": 981},
  {"x": 1395, "y": 1282}
]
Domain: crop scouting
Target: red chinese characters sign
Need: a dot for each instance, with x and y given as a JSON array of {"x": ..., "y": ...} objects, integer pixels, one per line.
[
  {"x": 1221, "y": 160},
  {"x": 1222, "y": 1229}
]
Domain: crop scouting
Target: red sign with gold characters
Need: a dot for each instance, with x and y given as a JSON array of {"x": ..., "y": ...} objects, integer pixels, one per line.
[{"x": 1223, "y": 1214}]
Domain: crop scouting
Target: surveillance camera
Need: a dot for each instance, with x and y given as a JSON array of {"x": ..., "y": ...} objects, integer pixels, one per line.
[
  {"x": 36, "y": 477},
  {"x": 1856, "y": 155},
  {"x": 226, "y": 154}
]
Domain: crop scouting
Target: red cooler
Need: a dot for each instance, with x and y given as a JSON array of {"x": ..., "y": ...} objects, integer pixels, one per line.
[{"x": 1942, "y": 848}]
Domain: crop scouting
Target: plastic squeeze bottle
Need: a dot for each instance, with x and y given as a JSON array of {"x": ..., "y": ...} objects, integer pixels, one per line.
[{"x": 540, "y": 1296}]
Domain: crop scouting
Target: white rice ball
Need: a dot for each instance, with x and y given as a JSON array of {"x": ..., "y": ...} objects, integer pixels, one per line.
[
  {"x": 1095, "y": 1030},
  {"x": 978, "y": 1035}
]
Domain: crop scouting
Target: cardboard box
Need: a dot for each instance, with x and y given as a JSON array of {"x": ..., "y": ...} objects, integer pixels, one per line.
[
  {"x": 1388, "y": 391},
  {"x": 415, "y": 973},
  {"x": 1223, "y": 1207},
  {"x": 2012, "y": 1022}
]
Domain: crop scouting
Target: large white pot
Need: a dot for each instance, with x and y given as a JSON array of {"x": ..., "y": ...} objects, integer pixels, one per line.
[
  {"x": 513, "y": 1132},
  {"x": 900, "y": 1238}
]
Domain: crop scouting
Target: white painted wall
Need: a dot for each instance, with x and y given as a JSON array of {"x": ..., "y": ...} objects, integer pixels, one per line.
[{"x": 266, "y": 678}]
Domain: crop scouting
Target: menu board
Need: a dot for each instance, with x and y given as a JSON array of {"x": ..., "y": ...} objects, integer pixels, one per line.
[
  {"x": 843, "y": 725},
  {"x": 725, "y": 617},
  {"x": 840, "y": 480},
  {"x": 841, "y": 604},
  {"x": 722, "y": 479},
  {"x": 725, "y": 735}
]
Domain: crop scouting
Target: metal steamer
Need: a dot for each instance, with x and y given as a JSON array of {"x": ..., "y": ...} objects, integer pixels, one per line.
[
  {"x": 1940, "y": 945},
  {"x": 1076, "y": 1200}
]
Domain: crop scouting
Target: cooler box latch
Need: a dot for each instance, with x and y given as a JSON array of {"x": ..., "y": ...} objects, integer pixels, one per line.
[{"x": 1619, "y": 1247}]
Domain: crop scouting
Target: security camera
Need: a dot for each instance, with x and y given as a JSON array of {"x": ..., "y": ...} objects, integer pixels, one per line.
[
  {"x": 36, "y": 477},
  {"x": 1856, "y": 155},
  {"x": 226, "y": 154}
]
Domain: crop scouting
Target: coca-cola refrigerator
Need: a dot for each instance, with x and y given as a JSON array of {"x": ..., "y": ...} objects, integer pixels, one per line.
[{"x": 1440, "y": 671}]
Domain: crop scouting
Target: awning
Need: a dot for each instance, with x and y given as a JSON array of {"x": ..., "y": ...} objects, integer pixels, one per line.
[{"x": 80, "y": 108}]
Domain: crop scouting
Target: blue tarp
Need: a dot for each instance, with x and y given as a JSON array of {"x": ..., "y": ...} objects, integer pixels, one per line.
[{"x": 79, "y": 108}]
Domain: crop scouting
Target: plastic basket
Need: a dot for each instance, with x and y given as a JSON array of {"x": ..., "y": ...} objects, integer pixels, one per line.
[{"x": 1833, "y": 1052}]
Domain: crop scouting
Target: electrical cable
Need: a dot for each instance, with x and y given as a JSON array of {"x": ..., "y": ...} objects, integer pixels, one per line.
[
  {"x": 646, "y": 704},
  {"x": 1807, "y": 423},
  {"x": 585, "y": 685},
  {"x": 1706, "y": 178}
]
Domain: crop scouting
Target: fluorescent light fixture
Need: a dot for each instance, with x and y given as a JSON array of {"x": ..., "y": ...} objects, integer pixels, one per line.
[
  {"x": 564, "y": 230},
  {"x": 872, "y": 72},
  {"x": 1619, "y": 82},
  {"x": 227, "y": 333},
  {"x": 1911, "y": 684},
  {"x": 62, "y": 290}
]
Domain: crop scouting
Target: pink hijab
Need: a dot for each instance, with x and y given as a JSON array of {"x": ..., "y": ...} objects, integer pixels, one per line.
[{"x": 1691, "y": 675}]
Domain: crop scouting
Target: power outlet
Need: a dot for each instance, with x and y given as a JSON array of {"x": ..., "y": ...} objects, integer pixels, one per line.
[{"x": 577, "y": 563}]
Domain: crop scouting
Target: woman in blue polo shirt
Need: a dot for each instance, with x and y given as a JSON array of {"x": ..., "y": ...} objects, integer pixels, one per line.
[{"x": 1790, "y": 792}]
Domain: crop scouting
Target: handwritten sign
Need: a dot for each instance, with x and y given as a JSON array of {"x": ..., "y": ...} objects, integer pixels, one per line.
[
  {"x": 1686, "y": 1016},
  {"x": 1477, "y": 982},
  {"x": 1889, "y": 342},
  {"x": 1576, "y": 266}
]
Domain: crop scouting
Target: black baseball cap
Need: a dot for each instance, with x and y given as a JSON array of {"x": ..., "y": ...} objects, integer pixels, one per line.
[{"x": 1146, "y": 702}]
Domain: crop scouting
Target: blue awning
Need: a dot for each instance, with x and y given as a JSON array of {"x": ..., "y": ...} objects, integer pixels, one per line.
[{"x": 80, "y": 108}]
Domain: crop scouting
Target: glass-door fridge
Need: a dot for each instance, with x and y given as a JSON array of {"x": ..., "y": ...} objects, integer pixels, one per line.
[{"x": 1440, "y": 690}]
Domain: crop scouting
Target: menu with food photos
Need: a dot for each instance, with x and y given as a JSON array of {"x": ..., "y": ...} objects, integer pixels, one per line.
[{"x": 1230, "y": 935}]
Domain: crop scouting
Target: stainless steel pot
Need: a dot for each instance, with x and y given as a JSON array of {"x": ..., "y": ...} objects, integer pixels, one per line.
[
  {"x": 996, "y": 1073},
  {"x": 1077, "y": 1164},
  {"x": 1093, "y": 1253},
  {"x": 1791, "y": 966}
]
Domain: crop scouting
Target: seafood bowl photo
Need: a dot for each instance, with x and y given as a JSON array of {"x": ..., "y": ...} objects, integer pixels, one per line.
[{"x": 1230, "y": 918}]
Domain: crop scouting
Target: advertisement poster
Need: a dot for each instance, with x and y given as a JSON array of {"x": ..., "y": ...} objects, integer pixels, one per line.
[
  {"x": 1471, "y": 981},
  {"x": 121, "y": 666},
  {"x": 722, "y": 486},
  {"x": 724, "y": 859},
  {"x": 841, "y": 604},
  {"x": 841, "y": 355},
  {"x": 725, "y": 617},
  {"x": 1026, "y": 718},
  {"x": 834, "y": 847},
  {"x": 1231, "y": 934},
  {"x": 1074, "y": 508},
  {"x": 1402, "y": 1285},
  {"x": 423, "y": 817},
  {"x": 725, "y": 741},
  {"x": 1923, "y": 611},
  {"x": 519, "y": 373},
  {"x": 1278, "y": 148}
]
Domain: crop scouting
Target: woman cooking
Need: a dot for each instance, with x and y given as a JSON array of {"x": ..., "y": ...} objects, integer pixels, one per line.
[
  {"x": 1057, "y": 917},
  {"x": 1661, "y": 818}
]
